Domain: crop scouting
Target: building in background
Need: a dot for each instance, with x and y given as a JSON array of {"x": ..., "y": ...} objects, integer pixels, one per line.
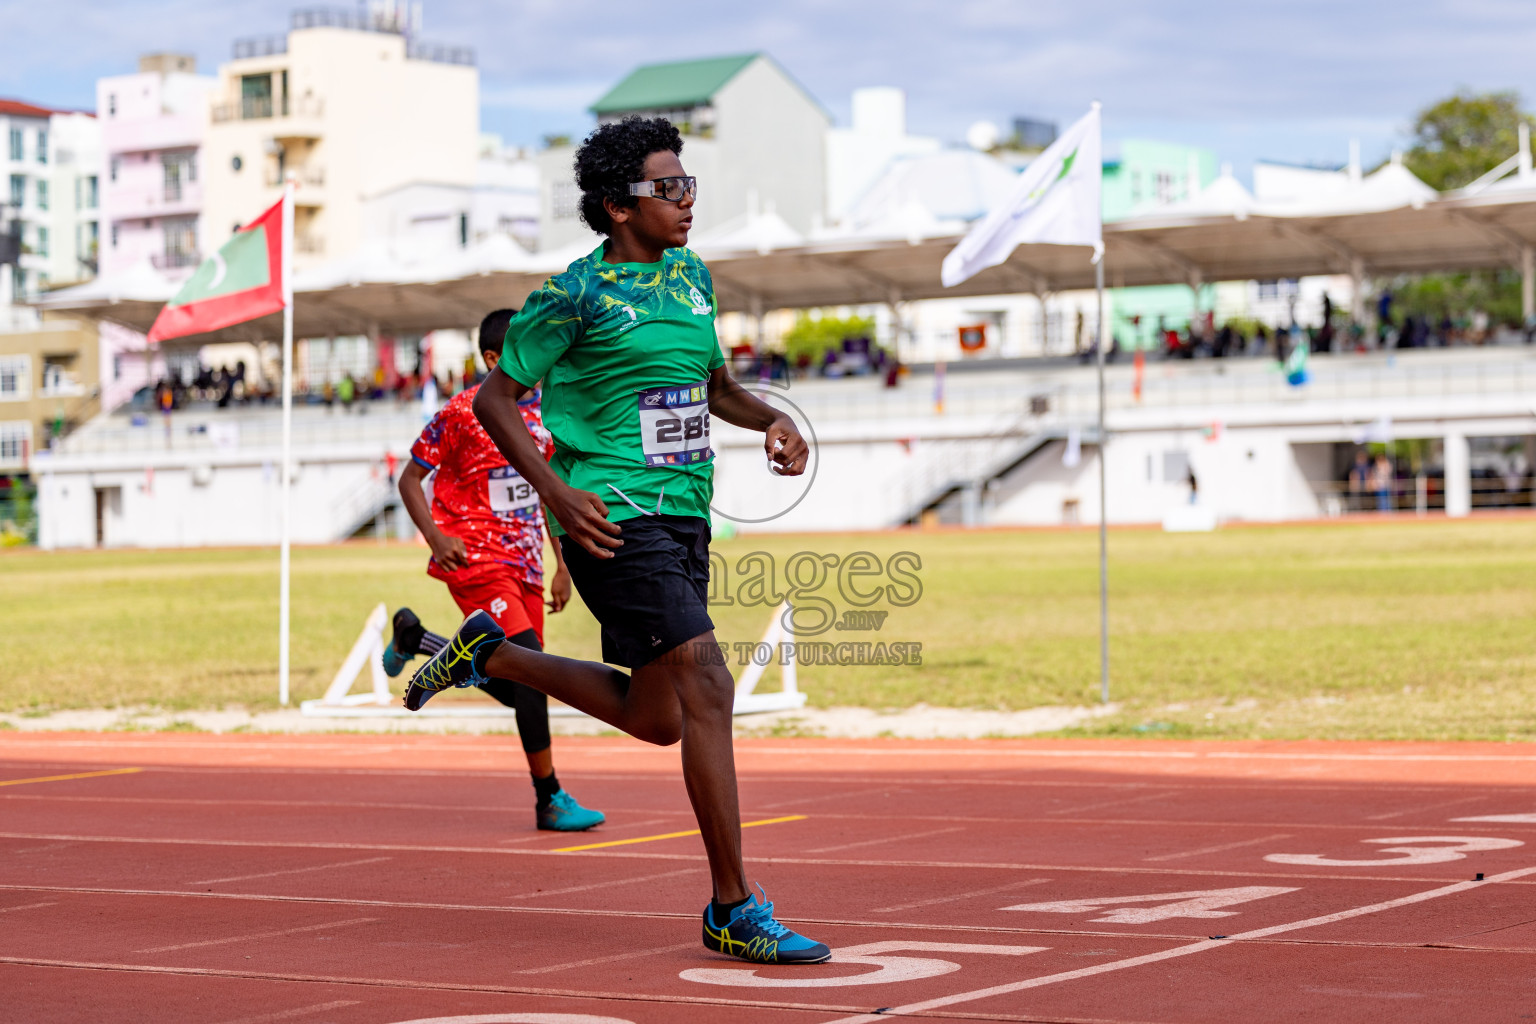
[
  {"x": 48, "y": 199},
  {"x": 152, "y": 125},
  {"x": 858, "y": 154},
  {"x": 752, "y": 135},
  {"x": 48, "y": 386},
  {"x": 352, "y": 105}
]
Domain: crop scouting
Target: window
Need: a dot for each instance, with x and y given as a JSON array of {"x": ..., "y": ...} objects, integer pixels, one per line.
[
  {"x": 236, "y": 163},
  {"x": 564, "y": 201},
  {"x": 15, "y": 143},
  {"x": 15, "y": 440},
  {"x": 175, "y": 170},
  {"x": 1163, "y": 188},
  {"x": 180, "y": 241},
  {"x": 255, "y": 96},
  {"x": 42, "y": 239},
  {"x": 114, "y": 236},
  {"x": 112, "y": 169},
  {"x": 111, "y": 104},
  {"x": 15, "y": 378},
  {"x": 42, "y": 195},
  {"x": 463, "y": 230},
  {"x": 92, "y": 192},
  {"x": 18, "y": 189},
  {"x": 42, "y": 146}
]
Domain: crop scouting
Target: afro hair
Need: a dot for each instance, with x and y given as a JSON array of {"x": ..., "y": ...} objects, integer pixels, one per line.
[{"x": 612, "y": 157}]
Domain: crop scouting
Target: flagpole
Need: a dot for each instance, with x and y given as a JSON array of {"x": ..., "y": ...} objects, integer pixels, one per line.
[
  {"x": 287, "y": 468},
  {"x": 1098, "y": 280}
]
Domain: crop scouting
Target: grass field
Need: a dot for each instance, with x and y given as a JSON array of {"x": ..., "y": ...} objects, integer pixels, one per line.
[{"x": 1400, "y": 630}]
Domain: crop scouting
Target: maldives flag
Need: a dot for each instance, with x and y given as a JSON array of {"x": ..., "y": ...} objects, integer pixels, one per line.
[{"x": 240, "y": 282}]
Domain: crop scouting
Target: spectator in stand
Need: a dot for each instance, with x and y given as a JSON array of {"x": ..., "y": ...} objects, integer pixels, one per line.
[
  {"x": 346, "y": 391},
  {"x": 1359, "y": 479},
  {"x": 1381, "y": 482}
]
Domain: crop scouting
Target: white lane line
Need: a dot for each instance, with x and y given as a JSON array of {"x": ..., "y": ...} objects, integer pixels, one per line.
[
  {"x": 602, "y": 885},
  {"x": 300, "y": 1011},
  {"x": 1145, "y": 798},
  {"x": 885, "y": 839},
  {"x": 436, "y": 986},
  {"x": 1426, "y": 807},
  {"x": 845, "y": 795},
  {"x": 624, "y": 854},
  {"x": 292, "y": 871},
  {"x": 1217, "y": 849},
  {"x": 1177, "y": 951},
  {"x": 27, "y": 906},
  {"x": 959, "y": 896},
  {"x": 609, "y": 959},
  {"x": 259, "y": 935}
]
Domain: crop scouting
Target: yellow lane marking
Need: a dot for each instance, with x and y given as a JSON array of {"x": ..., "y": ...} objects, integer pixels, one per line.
[
  {"x": 671, "y": 835},
  {"x": 61, "y": 778}
]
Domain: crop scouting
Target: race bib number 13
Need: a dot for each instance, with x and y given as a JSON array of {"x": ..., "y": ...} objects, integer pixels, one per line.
[
  {"x": 509, "y": 494},
  {"x": 674, "y": 425}
]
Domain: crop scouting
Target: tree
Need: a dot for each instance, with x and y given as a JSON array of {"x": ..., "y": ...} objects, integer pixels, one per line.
[
  {"x": 1463, "y": 137},
  {"x": 814, "y": 336}
]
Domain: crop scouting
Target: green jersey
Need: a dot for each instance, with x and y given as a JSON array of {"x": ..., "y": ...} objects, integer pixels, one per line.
[{"x": 625, "y": 351}]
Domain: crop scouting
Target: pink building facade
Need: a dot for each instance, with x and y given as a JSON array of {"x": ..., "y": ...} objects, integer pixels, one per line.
[{"x": 151, "y": 192}]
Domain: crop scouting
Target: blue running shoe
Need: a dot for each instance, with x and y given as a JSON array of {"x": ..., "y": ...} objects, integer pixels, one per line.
[
  {"x": 460, "y": 663},
  {"x": 753, "y": 934},
  {"x": 404, "y": 643},
  {"x": 564, "y": 814}
]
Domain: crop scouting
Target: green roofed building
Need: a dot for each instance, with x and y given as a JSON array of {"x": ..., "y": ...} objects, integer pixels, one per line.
[{"x": 752, "y": 135}]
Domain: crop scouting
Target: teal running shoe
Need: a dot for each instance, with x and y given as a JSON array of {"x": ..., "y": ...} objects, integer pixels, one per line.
[
  {"x": 460, "y": 663},
  {"x": 404, "y": 643},
  {"x": 564, "y": 814},
  {"x": 753, "y": 934}
]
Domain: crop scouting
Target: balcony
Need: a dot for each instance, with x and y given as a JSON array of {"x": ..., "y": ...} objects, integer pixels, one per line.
[
  {"x": 311, "y": 176},
  {"x": 300, "y": 117},
  {"x": 309, "y": 245},
  {"x": 174, "y": 260}
]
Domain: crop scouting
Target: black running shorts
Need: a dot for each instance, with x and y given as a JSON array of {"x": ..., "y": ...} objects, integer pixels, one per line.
[{"x": 653, "y": 594}]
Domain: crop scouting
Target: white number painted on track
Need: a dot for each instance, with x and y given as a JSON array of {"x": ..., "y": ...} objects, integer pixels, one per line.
[
  {"x": 890, "y": 968},
  {"x": 521, "y": 1018},
  {"x": 1201, "y": 903},
  {"x": 1410, "y": 848}
]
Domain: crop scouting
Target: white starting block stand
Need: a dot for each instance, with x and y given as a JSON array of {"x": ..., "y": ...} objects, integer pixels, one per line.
[{"x": 340, "y": 702}]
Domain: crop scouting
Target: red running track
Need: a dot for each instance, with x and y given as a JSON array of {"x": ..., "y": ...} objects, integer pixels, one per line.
[{"x": 383, "y": 879}]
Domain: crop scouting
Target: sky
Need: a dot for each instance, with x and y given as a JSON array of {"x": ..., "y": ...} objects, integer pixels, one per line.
[{"x": 1249, "y": 79}]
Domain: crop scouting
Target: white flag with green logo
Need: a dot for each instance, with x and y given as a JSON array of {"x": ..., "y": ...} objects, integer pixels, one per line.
[{"x": 1056, "y": 201}]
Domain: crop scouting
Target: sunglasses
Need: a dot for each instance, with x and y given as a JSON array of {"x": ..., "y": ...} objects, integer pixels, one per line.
[{"x": 668, "y": 190}]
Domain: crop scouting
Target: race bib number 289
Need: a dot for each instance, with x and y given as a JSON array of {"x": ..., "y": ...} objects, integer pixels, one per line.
[
  {"x": 509, "y": 493},
  {"x": 674, "y": 425}
]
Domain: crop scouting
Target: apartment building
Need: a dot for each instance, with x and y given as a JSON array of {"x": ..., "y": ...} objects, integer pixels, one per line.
[
  {"x": 48, "y": 386},
  {"x": 152, "y": 125},
  {"x": 352, "y": 106},
  {"x": 752, "y": 135},
  {"x": 48, "y": 198}
]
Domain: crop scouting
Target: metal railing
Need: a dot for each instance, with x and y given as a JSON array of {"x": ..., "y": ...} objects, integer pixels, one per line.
[
  {"x": 261, "y": 46},
  {"x": 171, "y": 260},
  {"x": 440, "y": 53},
  {"x": 306, "y": 174}
]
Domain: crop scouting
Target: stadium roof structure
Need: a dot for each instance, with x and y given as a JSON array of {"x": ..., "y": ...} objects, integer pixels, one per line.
[
  {"x": 670, "y": 86},
  {"x": 760, "y": 270}
]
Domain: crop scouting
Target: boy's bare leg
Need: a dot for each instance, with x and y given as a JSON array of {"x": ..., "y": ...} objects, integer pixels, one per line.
[{"x": 681, "y": 695}]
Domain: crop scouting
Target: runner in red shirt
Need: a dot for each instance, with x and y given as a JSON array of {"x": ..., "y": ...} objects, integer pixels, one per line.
[{"x": 485, "y": 526}]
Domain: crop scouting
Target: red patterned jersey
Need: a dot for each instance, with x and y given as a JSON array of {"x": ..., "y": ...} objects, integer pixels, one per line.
[{"x": 477, "y": 497}]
